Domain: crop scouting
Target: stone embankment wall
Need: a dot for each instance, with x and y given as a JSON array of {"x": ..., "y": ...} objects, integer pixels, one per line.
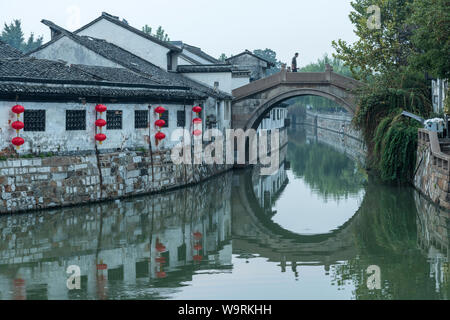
[
  {"x": 337, "y": 131},
  {"x": 31, "y": 184},
  {"x": 432, "y": 176}
]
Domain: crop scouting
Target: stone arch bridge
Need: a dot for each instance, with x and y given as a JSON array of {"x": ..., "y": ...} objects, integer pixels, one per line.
[{"x": 251, "y": 102}]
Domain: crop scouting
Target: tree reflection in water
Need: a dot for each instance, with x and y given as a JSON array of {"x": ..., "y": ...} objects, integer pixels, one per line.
[{"x": 329, "y": 173}]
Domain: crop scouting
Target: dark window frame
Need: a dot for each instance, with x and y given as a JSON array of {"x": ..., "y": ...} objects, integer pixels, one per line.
[
  {"x": 165, "y": 117},
  {"x": 35, "y": 120},
  {"x": 112, "y": 123},
  {"x": 71, "y": 119},
  {"x": 181, "y": 118},
  {"x": 141, "y": 119}
]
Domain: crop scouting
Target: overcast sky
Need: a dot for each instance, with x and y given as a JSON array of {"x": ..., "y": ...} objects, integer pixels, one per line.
[{"x": 228, "y": 26}]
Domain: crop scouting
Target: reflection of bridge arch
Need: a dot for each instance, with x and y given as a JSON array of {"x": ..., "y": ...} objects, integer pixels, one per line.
[
  {"x": 276, "y": 243},
  {"x": 253, "y": 101}
]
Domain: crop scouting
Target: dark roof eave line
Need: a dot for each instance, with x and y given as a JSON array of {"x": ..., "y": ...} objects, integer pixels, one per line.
[{"x": 90, "y": 83}]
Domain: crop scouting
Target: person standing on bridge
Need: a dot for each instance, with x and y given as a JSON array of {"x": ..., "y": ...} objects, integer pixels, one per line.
[{"x": 294, "y": 63}]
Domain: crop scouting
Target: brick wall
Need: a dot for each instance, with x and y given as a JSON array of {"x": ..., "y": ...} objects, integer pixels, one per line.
[{"x": 30, "y": 184}]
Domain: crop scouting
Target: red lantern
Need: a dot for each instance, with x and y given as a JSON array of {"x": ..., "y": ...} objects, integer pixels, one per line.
[
  {"x": 100, "y": 137},
  {"x": 100, "y": 123},
  {"x": 198, "y": 247},
  {"x": 18, "y": 125},
  {"x": 160, "y": 260},
  {"x": 102, "y": 266},
  {"x": 160, "y": 110},
  {"x": 197, "y": 109},
  {"x": 197, "y": 121},
  {"x": 18, "y": 109},
  {"x": 197, "y": 133},
  {"x": 161, "y": 274},
  {"x": 160, "y": 136},
  {"x": 18, "y": 141},
  {"x": 160, "y": 123},
  {"x": 197, "y": 257},
  {"x": 197, "y": 235},
  {"x": 100, "y": 108},
  {"x": 160, "y": 247}
]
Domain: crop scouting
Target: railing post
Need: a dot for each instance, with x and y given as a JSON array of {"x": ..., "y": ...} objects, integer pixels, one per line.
[{"x": 328, "y": 71}]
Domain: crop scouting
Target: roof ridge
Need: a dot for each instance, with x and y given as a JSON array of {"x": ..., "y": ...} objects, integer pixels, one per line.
[{"x": 116, "y": 21}]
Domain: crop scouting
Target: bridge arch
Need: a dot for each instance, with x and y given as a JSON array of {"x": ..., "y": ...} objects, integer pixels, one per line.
[
  {"x": 256, "y": 118},
  {"x": 253, "y": 100}
]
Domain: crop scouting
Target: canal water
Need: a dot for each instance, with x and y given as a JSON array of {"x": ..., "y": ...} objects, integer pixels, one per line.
[{"x": 317, "y": 229}]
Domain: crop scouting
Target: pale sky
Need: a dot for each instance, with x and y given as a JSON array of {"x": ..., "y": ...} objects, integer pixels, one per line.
[{"x": 228, "y": 26}]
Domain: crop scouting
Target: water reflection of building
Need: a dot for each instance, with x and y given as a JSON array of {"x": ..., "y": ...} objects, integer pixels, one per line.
[
  {"x": 145, "y": 246},
  {"x": 267, "y": 189},
  {"x": 433, "y": 238}
]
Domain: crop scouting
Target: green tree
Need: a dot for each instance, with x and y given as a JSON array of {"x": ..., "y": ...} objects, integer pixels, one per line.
[
  {"x": 431, "y": 36},
  {"x": 13, "y": 35},
  {"x": 160, "y": 33},
  {"x": 319, "y": 66},
  {"x": 147, "y": 29},
  {"x": 223, "y": 57},
  {"x": 381, "y": 50}
]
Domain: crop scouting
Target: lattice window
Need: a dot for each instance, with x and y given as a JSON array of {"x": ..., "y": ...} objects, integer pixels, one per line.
[
  {"x": 114, "y": 119},
  {"x": 165, "y": 117},
  {"x": 181, "y": 118},
  {"x": 75, "y": 120},
  {"x": 141, "y": 119},
  {"x": 34, "y": 120}
]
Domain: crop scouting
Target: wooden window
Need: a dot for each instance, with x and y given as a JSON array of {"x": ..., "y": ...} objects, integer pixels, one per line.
[
  {"x": 141, "y": 119},
  {"x": 114, "y": 119},
  {"x": 165, "y": 117},
  {"x": 75, "y": 120},
  {"x": 181, "y": 118},
  {"x": 34, "y": 120}
]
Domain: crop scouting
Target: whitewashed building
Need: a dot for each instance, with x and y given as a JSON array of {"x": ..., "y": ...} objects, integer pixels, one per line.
[{"x": 60, "y": 100}]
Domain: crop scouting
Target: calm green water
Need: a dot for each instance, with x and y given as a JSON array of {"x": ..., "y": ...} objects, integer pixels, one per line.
[{"x": 309, "y": 232}]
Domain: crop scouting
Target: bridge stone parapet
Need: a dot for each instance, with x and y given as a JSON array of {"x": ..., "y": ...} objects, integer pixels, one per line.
[{"x": 251, "y": 102}]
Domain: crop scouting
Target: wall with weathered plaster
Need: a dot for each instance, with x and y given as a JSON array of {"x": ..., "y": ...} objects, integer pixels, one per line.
[
  {"x": 256, "y": 66},
  {"x": 140, "y": 46},
  {"x": 337, "y": 131},
  {"x": 30, "y": 184},
  {"x": 209, "y": 78},
  {"x": 239, "y": 81},
  {"x": 57, "y": 140}
]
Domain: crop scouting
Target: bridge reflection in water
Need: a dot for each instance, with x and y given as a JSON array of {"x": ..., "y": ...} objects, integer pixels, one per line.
[{"x": 220, "y": 240}]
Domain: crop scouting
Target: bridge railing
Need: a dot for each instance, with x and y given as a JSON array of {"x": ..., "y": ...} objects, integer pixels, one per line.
[{"x": 294, "y": 78}]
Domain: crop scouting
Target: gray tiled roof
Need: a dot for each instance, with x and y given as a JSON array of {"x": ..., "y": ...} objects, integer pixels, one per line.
[
  {"x": 135, "y": 63},
  {"x": 6, "y": 51},
  {"x": 251, "y": 54},
  {"x": 37, "y": 78},
  {"x": 206, "y": 68},
  {"x": 42, "y": 69},
  {"x": 196, "y": 50},
  {"x": 40, "y": 91},
  {"x": 115, "y": 74}
]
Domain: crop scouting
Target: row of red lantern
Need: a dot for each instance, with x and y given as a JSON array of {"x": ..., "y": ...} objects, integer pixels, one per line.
[
  {"x": 197, "y": 246},
  {"x": 160, "y": 248},
  {"x": 18, "y": 125},
  {"x": 159, "y": 124},
  {"x": 100, "y": 123}
]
